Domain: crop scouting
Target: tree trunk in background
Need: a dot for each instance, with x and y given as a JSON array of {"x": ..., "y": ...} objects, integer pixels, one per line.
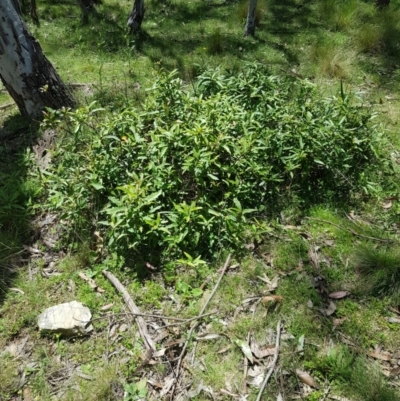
[
  {"x": 87, "y": 7},
  {"x": 33, "y": 12},
  {"x": 26, "y": 73},
  {"x": 136, "y": 17},
  {"x": 250, "y": 27},
  {"x": 382, "y": 3}
]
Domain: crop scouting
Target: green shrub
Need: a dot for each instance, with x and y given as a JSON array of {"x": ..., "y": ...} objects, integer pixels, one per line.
[{"x": 194, "y": 170}]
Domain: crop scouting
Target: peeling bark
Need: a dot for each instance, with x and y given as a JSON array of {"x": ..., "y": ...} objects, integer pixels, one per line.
[
  {"x": 26, "y": 73},
  {"x": 250, "y": 27},
  {"x": 136, "y": 17}
]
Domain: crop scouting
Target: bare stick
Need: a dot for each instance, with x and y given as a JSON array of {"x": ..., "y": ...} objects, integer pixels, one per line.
[
  {"x": 246, "y": 368},
  {"x": 180, "y": 321},
  {"x": 182, "y": 355},
  {"x": 276, "y": 353},
  {"x": 148, "y": 342}
]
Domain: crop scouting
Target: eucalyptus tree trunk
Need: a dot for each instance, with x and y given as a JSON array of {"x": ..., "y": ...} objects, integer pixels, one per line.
[
  {"x": 382, "y": 3},
  {"x": 250, "y": 27},
  {"x": 137, "y": 15},
  {"x": 87, "y": 7},
  {"x": 33, "y": 12},
  {"x": 28, "y": 76}
]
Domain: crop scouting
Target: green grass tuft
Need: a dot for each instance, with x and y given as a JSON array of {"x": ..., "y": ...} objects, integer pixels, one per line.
[{"x": 380, "y": 270}]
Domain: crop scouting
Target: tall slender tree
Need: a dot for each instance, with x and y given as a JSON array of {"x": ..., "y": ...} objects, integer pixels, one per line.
[
  {"x": 250, "y": 27},
  {"x": 27, "y": 74},
  {"x": 136, "y": 17}
]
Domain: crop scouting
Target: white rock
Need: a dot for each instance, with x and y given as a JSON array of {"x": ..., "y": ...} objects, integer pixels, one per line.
[{"x": 68, "y": 319}]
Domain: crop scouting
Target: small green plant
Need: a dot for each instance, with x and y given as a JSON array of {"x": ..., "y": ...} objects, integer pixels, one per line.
[
  {"x": 136, "y": 391},
  {"x": 337, "y": 365},
  {"x": 194, "y": 171},
  {"x": 380, "y": 270}
]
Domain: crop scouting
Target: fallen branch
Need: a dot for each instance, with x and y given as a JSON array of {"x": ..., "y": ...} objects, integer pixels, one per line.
[
  {"x": 276, "y": 353},
  {"x": 181, "y": 321},
  {"x": 7, "y": 105},
  {"x": 148, "y": 342},
  {"x": 182, "y": 355}
]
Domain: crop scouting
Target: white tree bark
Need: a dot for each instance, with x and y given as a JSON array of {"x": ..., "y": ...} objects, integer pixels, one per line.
[
  {"x": 250, "y": 27},
  {"x": 26, "y": 73},
  {"x": 137, "y": 15}
]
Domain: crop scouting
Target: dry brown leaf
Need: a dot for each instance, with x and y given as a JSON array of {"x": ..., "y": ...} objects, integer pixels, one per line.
[
  {"x": 338, "y": 322},
  {"x": 306, "y": 379},
  {"x": 106, "y": 307},
  {"x": 223, "y": 350},
  {"x": 383, "y": 356},
  {"x": 339, "y": 294},
  {"x": 261, "y": 352},
  {"x": 271, "y": 298}
]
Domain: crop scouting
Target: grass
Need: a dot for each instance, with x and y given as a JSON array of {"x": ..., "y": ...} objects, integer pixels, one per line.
[{"x": 325, "y": 42}]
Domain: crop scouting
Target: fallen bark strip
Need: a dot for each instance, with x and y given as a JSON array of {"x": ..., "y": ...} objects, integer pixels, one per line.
[
  {"x": 7, "y": 105},
  {"x": 182, "y": 355},
  {"x": 148, "y": 342},
  {"x": 265, "y": 382}
]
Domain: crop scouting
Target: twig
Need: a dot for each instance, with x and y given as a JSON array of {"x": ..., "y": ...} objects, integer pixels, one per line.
[
  {"x": 148, "y": 342},
  {"x": 276, "y": 353},
  {"x": 246, "y": 367},
  {"x": 7, "y": 105},
  {"x": 182, "y": 355},
  {"x": 349, "y": 230},
  {"x": 180, "y": 320}
]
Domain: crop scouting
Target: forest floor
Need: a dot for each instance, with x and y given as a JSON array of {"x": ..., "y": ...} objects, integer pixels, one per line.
[{"x": 293, "y": 305}]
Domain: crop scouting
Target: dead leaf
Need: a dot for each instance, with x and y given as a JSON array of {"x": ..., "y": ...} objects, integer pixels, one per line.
[
  {"x": 383, "y": 356},
  {"x": 223, "y": 350},
  {"x": 330, "y": 310},
  {"x": 91, "y": 282},
  {"x": 257, "y": 374},
  {"x": 32, "y": 250},
  {"x": 395, "y": 371},
  {"x": 261, "y": 352},
  {"x": 271, "y": 298},
  {"x": 223, "y": 391},
  {"x": 329, "y": 242},
  {"x": 207, "y": 336},
  {"x": 306, "y": 379},
  {"x": 338, "y": 322},
  {"x": 339, "y": 294},
  {"x": 245, "y": 347},
  {"x": 393, "y": 320},
  {"x": 106, "y": 307},
  {"x": 159, "y": 353},
  {"x": 279, "y": 398},
  {"x": 169, "y": 381},
  {"x": 387, "y": 205},
  {"x": 314, "y": 257},
  {"x": 17, "y": 290},
  {"x": 151, "y": 267}
]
